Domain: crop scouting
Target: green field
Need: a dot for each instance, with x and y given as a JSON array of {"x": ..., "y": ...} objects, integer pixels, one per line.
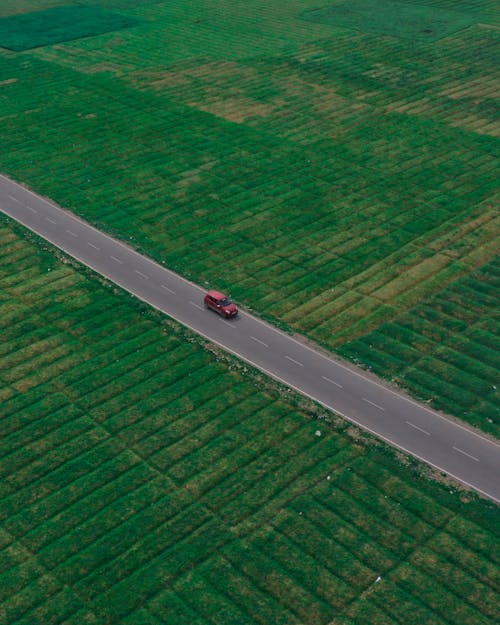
[
  {"x": 397, "y": 19},
  {"x": 446, "y": 348},
  {"x": 147, "y": 479},
  {"x": 338, "y": 175},
  {"x": 43, "y": 28},
  {"x": 333, "y": 166}
]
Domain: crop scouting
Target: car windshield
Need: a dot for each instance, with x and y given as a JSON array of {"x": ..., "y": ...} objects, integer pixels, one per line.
[{"x": 225, "y": 302}]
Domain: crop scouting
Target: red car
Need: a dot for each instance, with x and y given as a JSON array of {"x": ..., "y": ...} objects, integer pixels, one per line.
[{"x": 221, "y": 304}]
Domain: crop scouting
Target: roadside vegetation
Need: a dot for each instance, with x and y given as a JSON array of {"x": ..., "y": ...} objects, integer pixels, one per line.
[
  {"x": 339, "y": 178},
  {"x": 147, "y": 478}
]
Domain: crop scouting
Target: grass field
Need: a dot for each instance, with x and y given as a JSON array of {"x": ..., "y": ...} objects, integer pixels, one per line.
[
  {"x": 148, "y": 480},
  {"x": 43, "y": 28},
  {"x": 446, "y": 348},
  {"x": 336, "y": 175}
]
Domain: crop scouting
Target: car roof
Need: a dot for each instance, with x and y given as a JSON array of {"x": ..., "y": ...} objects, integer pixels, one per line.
[{"x": 217, "y": 294}]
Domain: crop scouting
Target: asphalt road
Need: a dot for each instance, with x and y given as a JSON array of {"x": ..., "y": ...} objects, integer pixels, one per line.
[{"x": 454, "y": 449}]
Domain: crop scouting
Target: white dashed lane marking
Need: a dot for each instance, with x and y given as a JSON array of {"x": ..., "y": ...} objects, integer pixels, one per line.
[
  {"x": 143, "y": 275},
  {"x": 195, "y": 305},
  {"x": 418, "y": 428},
  {"x": 14, "y": 199},
  {"x": 373, "y": 403},
  {"x": 73, "y": 234},
  {"x": 254, "y": 338},
  {"x": 331, "y": 381},
  {"x": 294, "y": 361},
  {"x": 117, "y": 260},
  {"x": 30, "y": 208},
  {"x": 50, "y": 220},
  {"x": 92, "y": 245},
  {"x": 461, "y": 451},
  {"x": 163, "y": 286}
]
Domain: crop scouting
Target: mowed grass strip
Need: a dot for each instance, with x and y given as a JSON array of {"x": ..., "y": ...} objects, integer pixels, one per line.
[
  {"x": 241, "y": 591},
  {"x": 43, "y": 439},
  {"x": 54, "y": 514},
  {"x": 335, "y": 557},
  {"x": 427, "y": 562},
  {"x": 170, "y": 608}
]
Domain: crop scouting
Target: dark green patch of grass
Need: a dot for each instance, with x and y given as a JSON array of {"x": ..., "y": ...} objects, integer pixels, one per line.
[
  {"x": 64, "y": 23},
  {"x": 396, "y": 19}
]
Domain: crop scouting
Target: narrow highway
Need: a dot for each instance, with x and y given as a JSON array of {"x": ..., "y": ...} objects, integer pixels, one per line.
[{"x": 451, "y": 447}]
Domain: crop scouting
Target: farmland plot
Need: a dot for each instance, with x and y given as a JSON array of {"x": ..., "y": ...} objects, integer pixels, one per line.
[{"x": 145, "y": 481}]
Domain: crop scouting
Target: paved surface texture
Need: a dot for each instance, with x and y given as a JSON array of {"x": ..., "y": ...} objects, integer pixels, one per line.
[{"x": 453, "y": 448}]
